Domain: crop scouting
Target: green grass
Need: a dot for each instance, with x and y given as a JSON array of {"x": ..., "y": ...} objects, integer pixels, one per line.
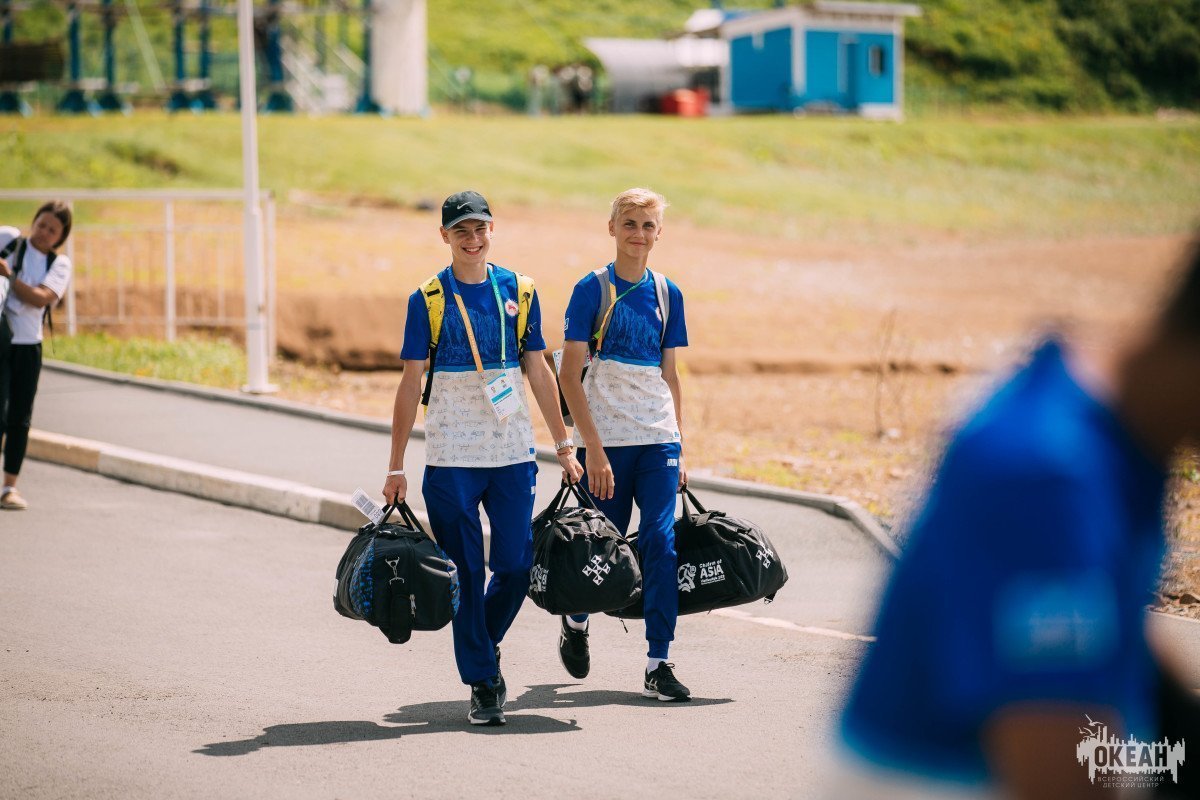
[
  {"x": 827, "y": 177},
  {"x": 1045, "y": 54},
  {"x": 219, "y": 363}
]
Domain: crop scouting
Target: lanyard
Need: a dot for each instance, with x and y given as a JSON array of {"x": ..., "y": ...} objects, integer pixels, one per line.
[
  {"x": 462, "y": 310},
  {"x": 613, "y": 297}
]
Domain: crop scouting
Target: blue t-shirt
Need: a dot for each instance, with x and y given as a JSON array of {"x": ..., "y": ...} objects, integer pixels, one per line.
[
  {"x": 454, "y": 349},
  {"x": 635, "y": 333},
  {"x": 1025, "y": 578}
]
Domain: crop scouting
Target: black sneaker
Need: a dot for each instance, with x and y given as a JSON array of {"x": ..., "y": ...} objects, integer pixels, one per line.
[
  {"x": 662, "y": 683},
  {"x": 501, "y": 686},
  {"x": 485, "y": 705},
  {"x": 573, "y": 650}
]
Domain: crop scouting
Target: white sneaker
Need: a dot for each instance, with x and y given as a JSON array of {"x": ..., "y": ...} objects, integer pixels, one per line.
[{"x": 12, "y": 501}]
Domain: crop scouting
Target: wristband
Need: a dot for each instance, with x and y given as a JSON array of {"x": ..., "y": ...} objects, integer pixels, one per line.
[
  {"x": 564, "y": 444},
  {"x": 395, "y": 472}
]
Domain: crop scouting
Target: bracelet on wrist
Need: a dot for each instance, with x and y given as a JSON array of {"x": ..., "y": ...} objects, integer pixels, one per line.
[
  {"x": 565, "y": 444},
  {"x": 395, "y": 472}
]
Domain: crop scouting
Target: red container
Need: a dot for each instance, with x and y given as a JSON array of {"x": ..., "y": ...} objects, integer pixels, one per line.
[{"x": 685, "y": 103}]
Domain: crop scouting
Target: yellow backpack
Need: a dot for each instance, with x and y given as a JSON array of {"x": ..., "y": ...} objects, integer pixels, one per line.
[{"x": 435, "y": 305}]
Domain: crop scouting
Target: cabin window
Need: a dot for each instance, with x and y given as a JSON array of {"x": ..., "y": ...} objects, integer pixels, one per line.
[{"x": 875, "y": 61}]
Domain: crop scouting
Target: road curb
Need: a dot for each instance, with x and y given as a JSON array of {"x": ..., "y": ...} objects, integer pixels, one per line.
[
  {"x": 840, "y": 507},
  {"x": 229, "y": 486}
]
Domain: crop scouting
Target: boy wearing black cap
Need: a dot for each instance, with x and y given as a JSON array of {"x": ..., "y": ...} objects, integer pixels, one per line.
[{"x": 478, "y": 434}]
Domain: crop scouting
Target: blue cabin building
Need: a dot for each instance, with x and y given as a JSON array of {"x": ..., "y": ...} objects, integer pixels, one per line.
[{"x": 825, "y": 55}]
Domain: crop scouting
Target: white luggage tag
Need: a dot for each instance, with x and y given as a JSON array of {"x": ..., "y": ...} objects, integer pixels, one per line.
[{"x": 369, "y": 508}]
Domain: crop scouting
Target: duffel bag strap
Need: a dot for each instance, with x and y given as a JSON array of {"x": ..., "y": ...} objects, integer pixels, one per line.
[
  {"x": 558, "y": 501},
  {"x": 407, "y": 516},
  {"x": 387, "y": 512},
  {"x": 584, "y": 498},
  {"x": 400, "y": 619},
  {"x": 687, "y": 495},
  {"x": 702, "y": 516}
]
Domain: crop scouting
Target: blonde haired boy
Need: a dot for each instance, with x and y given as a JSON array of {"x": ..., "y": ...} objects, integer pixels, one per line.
[{"x": 627, "y": 412}]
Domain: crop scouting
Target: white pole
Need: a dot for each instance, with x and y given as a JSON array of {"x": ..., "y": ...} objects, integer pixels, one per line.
[
  {"x": 269, "y": 208},
  {"x": 252, "y": 241},
  {"x": 72, "y": 319},
  {"x": 169, "y": 299}
]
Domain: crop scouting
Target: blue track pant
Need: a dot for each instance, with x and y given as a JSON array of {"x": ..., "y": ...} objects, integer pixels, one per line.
[
  {"x": 648, "y": 474},
  {"x": 452, "y": 499}
]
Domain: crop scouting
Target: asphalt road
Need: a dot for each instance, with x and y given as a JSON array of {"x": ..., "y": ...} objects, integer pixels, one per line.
[
  {"x": 160, "y": 646},
  {"x": 155, "y": 645},
  {"x": 824, "y": 553}
]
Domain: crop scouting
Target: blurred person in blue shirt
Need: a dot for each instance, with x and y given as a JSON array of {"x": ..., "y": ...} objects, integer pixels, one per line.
[{"x": 1016, "y": 614}]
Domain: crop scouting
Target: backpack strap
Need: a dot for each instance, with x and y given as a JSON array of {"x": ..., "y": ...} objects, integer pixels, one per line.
[
  {"x": 5, "y": 252},
  {"x": 435, "y": 306},
  {"x": 49, "y": 311},
  {"x": 608, "y": 296},
  {"x": 21, "y": 243},
  {"x": 401, "y": 614},
  {"x": 664, "y": 301},
  {"x": 12, "y": 245},
  {"x": 524, "y": 303}
]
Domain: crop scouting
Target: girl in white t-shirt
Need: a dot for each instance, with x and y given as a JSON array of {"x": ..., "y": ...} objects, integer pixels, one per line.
[{"x": 36, "y": 277}]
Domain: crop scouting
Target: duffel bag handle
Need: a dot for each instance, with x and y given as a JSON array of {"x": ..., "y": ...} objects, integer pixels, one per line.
[
  {"x": 584, "y": 498},
  {"x": 410, "y": 517},
  {"x": 687, "y": 495},
  {"x": 557, "y": 502},
  {"x": 407, "y": 516}
]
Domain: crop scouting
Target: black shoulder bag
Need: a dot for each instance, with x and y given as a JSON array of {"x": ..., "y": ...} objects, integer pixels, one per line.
[
  {"x": 395, "y": 577},
  {"x": 722, "y": 561},
  {"x": 581, "y": 562}
]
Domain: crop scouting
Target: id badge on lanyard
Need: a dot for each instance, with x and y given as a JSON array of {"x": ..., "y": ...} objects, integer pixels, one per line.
[
  {"x": 502, "y": 395},
  {"x": 500, "y": 391}
]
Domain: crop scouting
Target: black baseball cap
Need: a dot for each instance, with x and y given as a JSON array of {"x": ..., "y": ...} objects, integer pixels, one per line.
[{"x": 465, "y": 205}]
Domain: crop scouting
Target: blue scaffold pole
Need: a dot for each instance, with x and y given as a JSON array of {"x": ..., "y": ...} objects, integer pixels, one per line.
[
  {"x": 366, "y": 102},
  {"x": 109, "y": 99},
  {"x": 179, "y": 100},
  {"x": 205, "y": 99},
  {"x": 75, "y": 101},
  {"x": 10, "y": 99},
  {"x": 278, "y": 99}
]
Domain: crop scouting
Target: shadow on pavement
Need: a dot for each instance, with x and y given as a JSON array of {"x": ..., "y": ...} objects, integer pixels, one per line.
[
  {"x": 544, "y": 696},
  {"x": 444, "y": 716}
]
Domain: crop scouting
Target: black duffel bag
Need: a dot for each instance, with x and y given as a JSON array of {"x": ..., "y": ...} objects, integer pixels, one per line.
[
  {"x": 581, "y": 562},
  {"x": 721, "y": 561},
  {"x": 396, "y": 578}
]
